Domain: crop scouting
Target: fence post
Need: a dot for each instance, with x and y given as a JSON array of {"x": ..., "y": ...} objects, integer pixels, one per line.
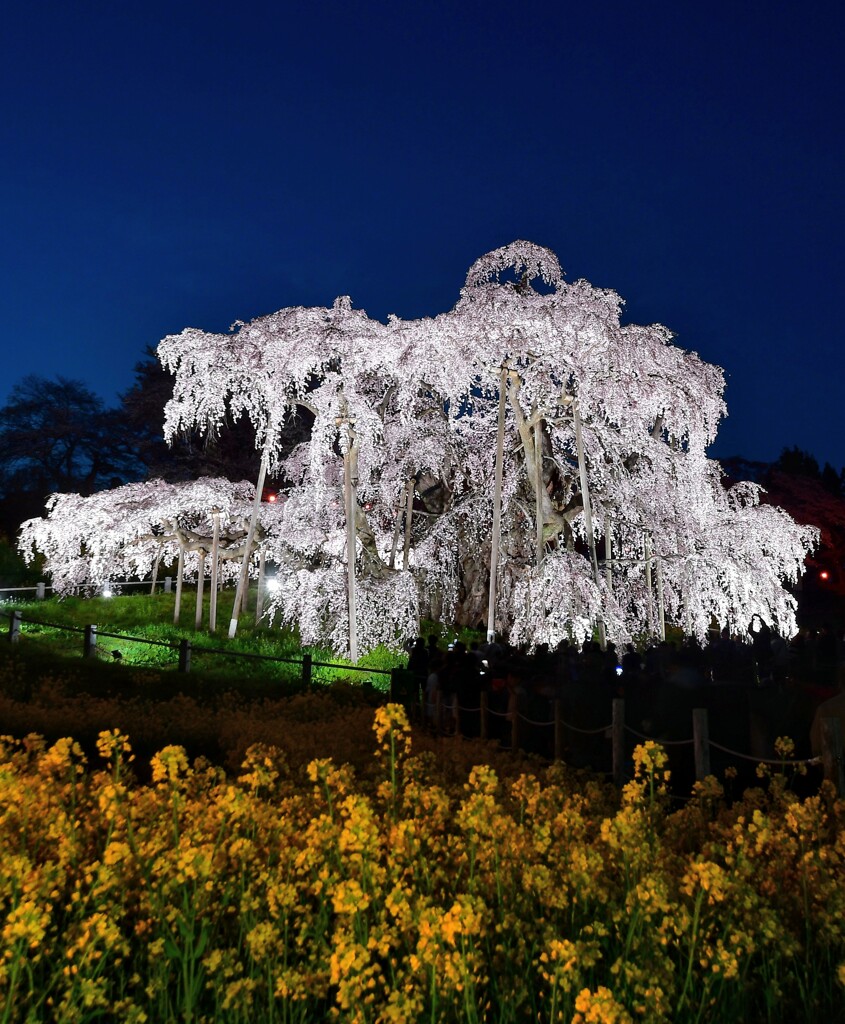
[
  {"x": 306, "y": 669},
  {"x": 832, "y": 753},
  {"x": 168, "y": 584},
  {"x": 89, "y": 649},
  {"x": 483, "y": 725},
  {"x": 701, "y": 743},
  {"x": 40, "y": 591},
  {"x": 14, "y": 627},
  {"x": 184, "y": 655},
  {"x": 618, "y": 741},
  {"x": 513, "y": 711},
  {"x": 558, "y": 729}
]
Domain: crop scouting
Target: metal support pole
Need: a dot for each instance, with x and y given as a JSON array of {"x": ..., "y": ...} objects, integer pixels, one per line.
[{"x": 497, "y": 509}]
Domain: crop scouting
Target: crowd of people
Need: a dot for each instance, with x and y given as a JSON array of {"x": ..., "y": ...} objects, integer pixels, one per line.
[{"x": 782, "y": 681}]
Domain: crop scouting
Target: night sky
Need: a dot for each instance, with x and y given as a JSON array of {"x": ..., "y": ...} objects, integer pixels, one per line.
[{"x": 165, "y": 165}]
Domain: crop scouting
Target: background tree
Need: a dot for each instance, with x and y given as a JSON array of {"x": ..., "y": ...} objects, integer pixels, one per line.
[
  {"x": 227, "y": 449},
  {"x": 58, "y": 436}
]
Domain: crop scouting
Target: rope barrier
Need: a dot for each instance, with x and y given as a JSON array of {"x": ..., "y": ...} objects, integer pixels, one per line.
[
  {"x": 588, "y": 732},
  {"x": 530, "y": 721},
  {"x": 766, "y": 760},
  {"x": 663, "y": 743}
]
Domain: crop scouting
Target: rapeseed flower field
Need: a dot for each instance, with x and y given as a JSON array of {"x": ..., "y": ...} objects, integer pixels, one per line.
[{"x": 395, "y": 893}]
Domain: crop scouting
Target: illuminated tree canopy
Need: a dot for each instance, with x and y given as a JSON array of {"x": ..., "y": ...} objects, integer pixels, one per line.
[{"x": 611, "y": 514}]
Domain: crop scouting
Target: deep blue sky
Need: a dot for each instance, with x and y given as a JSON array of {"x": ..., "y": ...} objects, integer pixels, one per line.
[{"x": 165, "y": 165}]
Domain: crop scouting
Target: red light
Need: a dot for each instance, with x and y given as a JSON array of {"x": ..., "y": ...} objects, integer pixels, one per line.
[
  {"x": 271, "y": 498},
  {"x": 824, "y": 575}
]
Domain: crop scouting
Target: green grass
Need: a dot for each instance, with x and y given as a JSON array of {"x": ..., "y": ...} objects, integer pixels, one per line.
[{"x": 143, "y": 617}]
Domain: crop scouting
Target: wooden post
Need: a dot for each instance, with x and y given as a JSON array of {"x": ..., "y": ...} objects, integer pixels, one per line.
[
  {"x": 409, "y": 521},
  {"x": 184, "y": 655},
  {"x": 832, "y": 753},
  {"x": 89, "y": 648},
  {"x": 497, "y": 508},
  {"x": 484, "y": 725},
  {"x": 618, "y": 741},
  {"x": 200, "y": 588},
  {"x": 180, "y": 572},
  {"x": 558, "y": 729},
  {"x": 215, "y": 569},
  {"x": 14, "y": 627},
  {"x": 242, "y": 579},
  {"x": 168, "y": 584},
  {"x": 701, "y": 743},
  {"x": 306, "y": 669},
  {"x": 40, "y": 591}
]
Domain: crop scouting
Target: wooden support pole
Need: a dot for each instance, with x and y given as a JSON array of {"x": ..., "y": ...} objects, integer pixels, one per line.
[
  {"x": 701, "y": 743},
  {"x": 180, "y": 573},
  {"x": 215, "y": 569},
  {"x": 538, "y": 487},
  {"x": 495, "y": 538},
  {"x": 259, "y": 599},
  {"x": 588, "y": 511},
  {"x": 608, "y": 552},
  {"x": 349, "y": 504},
  {"x": 409, "y": 520},
  {"x": 200, "y": 588},
  {"x": 661, "y": 610},
  {"x": 242, "y": 580}
]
